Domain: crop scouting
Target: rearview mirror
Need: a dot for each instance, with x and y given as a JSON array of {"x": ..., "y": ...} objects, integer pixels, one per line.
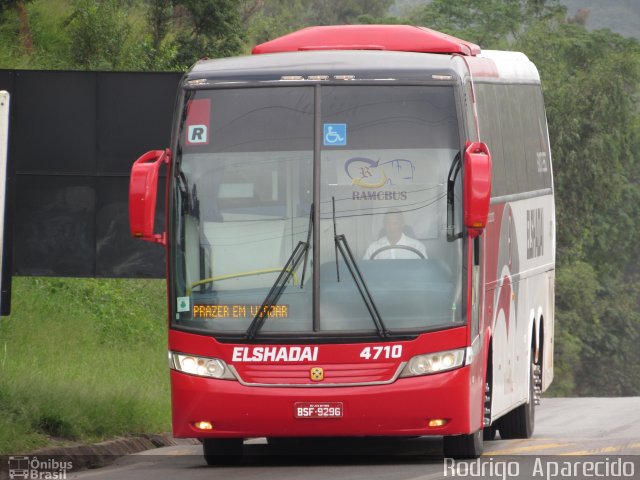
[
  {"x": 477, "y": 187},
  {"x": 143, "y": 192}
]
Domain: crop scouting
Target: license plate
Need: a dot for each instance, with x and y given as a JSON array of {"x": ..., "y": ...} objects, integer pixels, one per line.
[{"x": 318, "y": 410}]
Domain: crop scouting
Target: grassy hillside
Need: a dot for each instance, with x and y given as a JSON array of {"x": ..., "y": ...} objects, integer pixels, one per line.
[{"x": 82, "y": 360}]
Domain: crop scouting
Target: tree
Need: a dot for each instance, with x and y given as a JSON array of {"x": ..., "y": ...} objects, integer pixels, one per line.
[
  {"x": 274, "y": 18},
  {"x": 160, "y": 52},
  {"x": 159, "y": 16},
  {"x": 24, "y": 29},
  {"x": 490, "y": 23},
  {"x": 341, "y": 12},
  {"x": 98, "y": 31},
  {"x": 212, "y": 28}
]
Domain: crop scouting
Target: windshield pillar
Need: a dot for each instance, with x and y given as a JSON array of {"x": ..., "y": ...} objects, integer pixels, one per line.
[{"x": 317, "y": 121}]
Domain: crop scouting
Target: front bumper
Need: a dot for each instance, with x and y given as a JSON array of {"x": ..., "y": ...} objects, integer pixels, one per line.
[{"x": 398, "y": 409}]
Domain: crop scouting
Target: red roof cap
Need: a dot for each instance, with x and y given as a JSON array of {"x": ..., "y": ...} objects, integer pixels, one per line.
[{"x": 398, "y": 38}]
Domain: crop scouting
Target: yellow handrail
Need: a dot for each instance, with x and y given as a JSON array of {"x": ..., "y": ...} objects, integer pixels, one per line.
[{"x": 239, "y": 275}]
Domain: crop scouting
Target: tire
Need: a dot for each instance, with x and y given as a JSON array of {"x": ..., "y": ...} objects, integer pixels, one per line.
[
  {"x": 489, "y": 433},
  {"x": 463, "y": 446},
  {"x": 519, "y": 423},
  {"x": 222, "y": 451}
]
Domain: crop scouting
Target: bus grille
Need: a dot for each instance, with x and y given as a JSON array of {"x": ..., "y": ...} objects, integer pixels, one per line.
[{"x": 334, "y": 374}]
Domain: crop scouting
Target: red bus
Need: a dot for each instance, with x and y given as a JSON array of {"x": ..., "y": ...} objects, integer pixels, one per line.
[{"x": 360, "y": 241}]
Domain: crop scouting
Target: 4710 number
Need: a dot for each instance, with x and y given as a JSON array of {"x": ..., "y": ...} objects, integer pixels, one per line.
[{"x": 386, "y": 351}]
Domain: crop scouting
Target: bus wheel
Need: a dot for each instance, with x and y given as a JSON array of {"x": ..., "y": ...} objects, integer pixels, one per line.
[
  {"x": 463, "y": 446},
  {"x": 222, "y": 451},
  {"x": 519, "y": 423}
]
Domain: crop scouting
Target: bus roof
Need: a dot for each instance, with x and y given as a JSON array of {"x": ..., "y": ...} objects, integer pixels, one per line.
[
  {"x": 368, "y": 65},
  {"x": 362, "y": 65},
  {"x": 369, "y": 52},
  {"x": 399, "y": 38}
]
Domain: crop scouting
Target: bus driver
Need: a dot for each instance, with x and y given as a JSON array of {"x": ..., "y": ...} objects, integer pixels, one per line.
[{"x": 395, "y": 244}]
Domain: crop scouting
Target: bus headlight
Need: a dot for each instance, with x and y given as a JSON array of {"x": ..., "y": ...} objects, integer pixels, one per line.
[
  {"x": 201, "y": 366},
  {"x": 435, "y": 363}
]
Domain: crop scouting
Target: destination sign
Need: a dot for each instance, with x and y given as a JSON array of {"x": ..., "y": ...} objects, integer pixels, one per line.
[{"x": 238, "y": 311}]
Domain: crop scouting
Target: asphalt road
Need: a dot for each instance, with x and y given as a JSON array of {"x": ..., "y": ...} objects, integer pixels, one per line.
[{"x": 574, "y": 438}]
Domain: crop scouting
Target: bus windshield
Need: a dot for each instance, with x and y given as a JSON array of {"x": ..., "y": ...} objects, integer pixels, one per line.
[{"x": 244, "y": 206}]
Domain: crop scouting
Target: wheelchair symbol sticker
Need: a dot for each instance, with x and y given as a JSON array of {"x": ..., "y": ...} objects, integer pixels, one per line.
[{"x": 335, "y": 134}]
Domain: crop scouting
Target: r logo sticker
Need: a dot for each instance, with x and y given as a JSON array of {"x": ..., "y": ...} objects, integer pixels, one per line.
[
  {"x": 198, "y": 121},
  {"x": 198, "y": 134}
]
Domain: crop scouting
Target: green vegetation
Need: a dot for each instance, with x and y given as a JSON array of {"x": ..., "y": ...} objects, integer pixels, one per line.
[
  {"x": 156, "y": 34},
  {"x": 621, "y": 16},
  {"x": 85, "y": 358},
  {"x": 82, "y": 360}
]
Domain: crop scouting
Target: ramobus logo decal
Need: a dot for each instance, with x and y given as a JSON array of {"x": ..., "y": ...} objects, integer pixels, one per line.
[{"x": 372, "y": 174}]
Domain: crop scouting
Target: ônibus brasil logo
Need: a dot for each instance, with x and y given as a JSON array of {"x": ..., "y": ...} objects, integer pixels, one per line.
[{"x": 33, "y": 468}]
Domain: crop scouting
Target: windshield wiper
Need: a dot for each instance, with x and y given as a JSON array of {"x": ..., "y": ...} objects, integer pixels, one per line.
[
  {"x": 276, "y": 290},
  {"x": 451, "y": 183},
  {"x": 299, "y": 253},
  {"x": 306, "y": 253},
  {"x": 342, "y": 246}
]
